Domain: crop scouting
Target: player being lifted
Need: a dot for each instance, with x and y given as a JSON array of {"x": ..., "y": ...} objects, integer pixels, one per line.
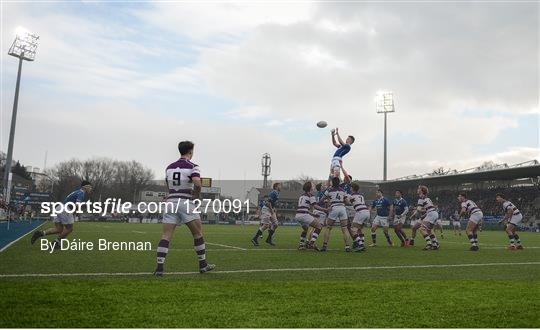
[
  {"x": 337, "y": 197},
  {"x": 475, "y": 216},
  {"x": 343, "y": 149},
  {"x": 360, "y": 217},
  {"x": 399, "y": 212},
  {"x": 268, "y": 216},
  {"x": 512, "y": 217},
  {"x": 306, "y": 203},
  {"x": 425, "y": 205},
  {"x": 183, "y": 180},
  {"x": 63, "y": 222},
  {"x": 383, "y": 208}
]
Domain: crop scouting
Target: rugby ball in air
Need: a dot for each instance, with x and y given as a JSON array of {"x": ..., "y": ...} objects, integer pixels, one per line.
[{"x": 322, "y": 124}]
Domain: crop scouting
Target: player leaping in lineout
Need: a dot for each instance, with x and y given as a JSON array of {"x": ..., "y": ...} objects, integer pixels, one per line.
[{"x": 343, "y": 149}]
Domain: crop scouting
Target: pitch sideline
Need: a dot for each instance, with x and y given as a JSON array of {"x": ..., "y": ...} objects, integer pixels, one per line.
[{"x": 271, "y": 270}]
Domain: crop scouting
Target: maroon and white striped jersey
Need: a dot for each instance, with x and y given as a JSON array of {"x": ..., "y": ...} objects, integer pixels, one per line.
[
  {"x": 507, "y": 205},
  {"x": 304, "y": 203},
  {"x": 470, "y": 207},
  {"x": 357, "y": 201},
  {"x": 178, "y": 176}
]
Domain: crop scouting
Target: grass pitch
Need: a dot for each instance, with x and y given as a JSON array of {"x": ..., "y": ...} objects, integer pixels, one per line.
[{"x": 270, "y": 286}]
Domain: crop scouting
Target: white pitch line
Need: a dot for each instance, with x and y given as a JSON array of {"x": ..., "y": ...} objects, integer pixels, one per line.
[
  {"x": 15, "y": 241},
  {"x": 139, "y": 232},
  {"x": 271, "y": 270},
  {"x": 227, "y": 246}
]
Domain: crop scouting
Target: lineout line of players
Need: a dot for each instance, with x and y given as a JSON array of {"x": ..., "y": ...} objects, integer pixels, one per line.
[
  {"x": 183, "y": 180},
  {"x": 324, "y": 204}
]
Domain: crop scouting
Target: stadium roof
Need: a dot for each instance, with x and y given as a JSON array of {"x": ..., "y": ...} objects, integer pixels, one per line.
[{"x": 499, "y": 173}]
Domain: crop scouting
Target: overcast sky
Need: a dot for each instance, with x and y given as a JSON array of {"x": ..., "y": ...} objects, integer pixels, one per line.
[{"x": 128, "y": 81}]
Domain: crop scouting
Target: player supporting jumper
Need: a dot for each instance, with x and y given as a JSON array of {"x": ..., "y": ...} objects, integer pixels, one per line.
[
  {"x": 383, "y": 206},
  {"x": 338, "y": 212},
  {"x": 63, "y": 222},
  {"x": 512, "y": 217},
  {"x": 343, "y": 149},
  {"x": 475, "y": 217},
  {"x": 306, "y": 218},
  {"x": 431, "y": 216},
  {"x": 360, "y": 217},
  {"x": 183, "y": 178},
  {"x": 400, "y": 210},
  {"x": 268, "y": 216}
]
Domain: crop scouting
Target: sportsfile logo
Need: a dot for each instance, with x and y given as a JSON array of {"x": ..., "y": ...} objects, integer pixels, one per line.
[{"x": 113, "y": 205}]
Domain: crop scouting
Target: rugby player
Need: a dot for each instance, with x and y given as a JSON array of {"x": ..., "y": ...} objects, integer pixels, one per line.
[
  {"x": 456, "y": 223},
  {"x": 475, "y": 216},
  {"x": 338, "y": 212},
  {"x": 430, "y": 217},
  {"x": 268, "y": 216},
  {"x": 183, "y": 179},
  {"x": 360, "y": 217},
  {"x": 304, "y": 215},
  {"x": 383, "y": 207},
  {"x": 399, "y": 212},
  {"x": 63, "y": 221},
  {"x": 322, "y": 202},
  {"x": 416, "y": 223},
  {"x": 512, "y": 217},
  {"x": 438, "y": 224},
  {"x": 343, "y": 149}
]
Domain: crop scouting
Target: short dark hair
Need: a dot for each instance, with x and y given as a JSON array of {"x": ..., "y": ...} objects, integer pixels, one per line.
[
  {"x": 318, "y": 186},
  {"x": 380, "y": 190},
  {"x": 85, "y": 183},
  {"x": 352, "y": 137},
  {"x": 274, "y": 186},
  {"x": 185, "y": 147},
  {"x": 307, "y": 186},
  {"x": 335, "y": 181},
  {"x": 501, "y": 195},
  {"x": 463, "y": 194},
  {"x": 355, "y": 186},
  {"x": 401, "y": 192}
]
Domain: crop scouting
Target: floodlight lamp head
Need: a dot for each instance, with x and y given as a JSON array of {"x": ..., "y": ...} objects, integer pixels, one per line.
[
  {"x": 384, "y": 102},
  {"x": 25, "y": 44}
]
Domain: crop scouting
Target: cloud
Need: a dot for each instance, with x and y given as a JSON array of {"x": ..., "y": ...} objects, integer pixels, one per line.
[{"x": 462, "y": 75}]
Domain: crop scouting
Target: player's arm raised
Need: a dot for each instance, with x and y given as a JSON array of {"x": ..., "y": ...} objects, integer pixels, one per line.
[
  {"x": 334, "y": 142},
  {"x": 339, "y": 138}
]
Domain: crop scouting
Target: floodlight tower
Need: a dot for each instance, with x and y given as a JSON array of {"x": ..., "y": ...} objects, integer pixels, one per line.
[
  {"x": 24, "y": 48},
  {"x": 266, "y": 162},
  {"x": 384, "y": 103}
]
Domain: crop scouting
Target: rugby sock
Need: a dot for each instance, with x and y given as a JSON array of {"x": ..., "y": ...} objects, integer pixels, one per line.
[
  {"x": 373, "y": 238},
  {"x": 518, "y": 241},
  {"x": 362, "y": 239},
  {"x": 512, "y": 241},
  {"x": 428, "y": 240},
  {"x": 398, "y": 234},
  {"x": 270, "y": 235},
  {"x": 471, "y": 239},
  {"x": 162, "y": 249},
  {"x": 200, "y": 249},
  {"x": 475, "y": 238},
  {"x": 433, "y": 240},
  {"x": 315, "y": 234},
  {"x": 388, "y": 238},
  {"x": 258, "y": 234},
  {"x": 303, "y": 237}
]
